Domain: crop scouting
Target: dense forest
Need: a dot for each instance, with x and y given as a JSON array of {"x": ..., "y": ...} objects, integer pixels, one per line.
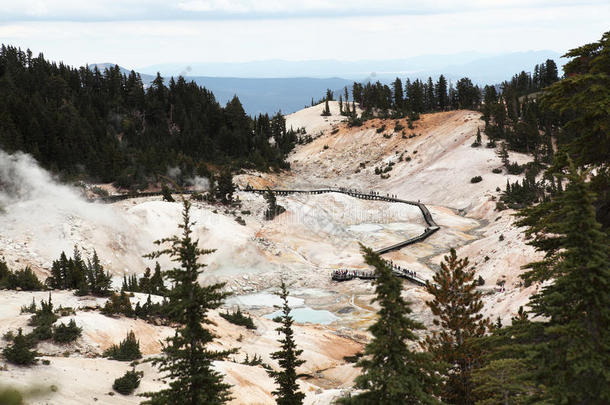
[{"x": 107, "y": 126}]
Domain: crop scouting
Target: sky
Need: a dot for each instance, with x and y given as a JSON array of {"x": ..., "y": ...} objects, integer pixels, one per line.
[{"x": 139, "y": 33}]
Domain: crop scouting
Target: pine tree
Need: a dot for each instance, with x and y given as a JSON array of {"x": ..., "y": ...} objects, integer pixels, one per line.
[
  {"x": 273, "y": 208},
  {"x": 441, "y": 93},
  {"x": 225, "y": 187},
  {"x": 574, "y": 358},
  {"x": 99, "y": 280},
  {"x": 503, "y": 155},
  {"x": 392, "y": 373},
  {"x": 457, "y": 309},
  {"x": 326, "y": 110},
  {"x": 156, "y": 282},
  {"x": 187, "y": 363},
  {"x": 19, "y": 351},
  {"x": 398, "y": 95},
  {"x": 287, "y": 392}
]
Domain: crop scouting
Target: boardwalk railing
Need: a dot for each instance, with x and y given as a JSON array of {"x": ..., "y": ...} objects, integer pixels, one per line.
[{"x": 343, "y": 274}]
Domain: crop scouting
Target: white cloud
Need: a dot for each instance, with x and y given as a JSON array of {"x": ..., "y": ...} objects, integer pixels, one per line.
[
  {"x": 140, "y": 42},
  {"x": 113, "y": 10}
]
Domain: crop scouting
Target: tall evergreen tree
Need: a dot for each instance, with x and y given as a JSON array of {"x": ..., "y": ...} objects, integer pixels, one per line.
[
  {"x": 187, "y": 362},
  {"x": 398, "y": 94},
  {"x": 392, "y": 372},
  {"x": 287, "y": 392},
  {"x": 457, "y": 309},
  {"x": 575, "y": 355},
  {"x": 440, "y": 90}
]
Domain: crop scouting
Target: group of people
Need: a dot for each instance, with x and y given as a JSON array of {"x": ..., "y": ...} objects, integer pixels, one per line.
[
  {"x": 375, "y": 193},
  {"x": 400, "y": 269},
  {"x": 344, "y": 273}
]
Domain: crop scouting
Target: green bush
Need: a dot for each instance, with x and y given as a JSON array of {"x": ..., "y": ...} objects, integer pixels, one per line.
[
  {"x": 127, "y": 350},
  {"x": 118, "y": 304},
  {"x": 476, "y": 179},
  {"x": 29, "y": 309},
  {"x": 128, "y": 383},
  {"x": 238, "y": 318},
  {"x": 63, "y": 333},
  {"x": 515, "y": 168},
  {"x": 24, "y": 279},
  {"x": 497, "y": 170}
]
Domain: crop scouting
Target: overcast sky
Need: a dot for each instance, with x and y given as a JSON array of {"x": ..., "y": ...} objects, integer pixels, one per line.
[{"x": 138, "y": 33}]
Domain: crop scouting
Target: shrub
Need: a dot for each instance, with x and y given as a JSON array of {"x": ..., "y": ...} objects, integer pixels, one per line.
[
  {"x": 398, "y": 127},
  {"x": 476, "y": 179},
  {"x": 325, "y": 147},
  {"x": 381, "y": 129},
  {"x": 481, "y": 281},
  {"x": 497, "y": 170},
  {"x": 127, "y": 350},
  {"x": 66, "y": 333},
  {"x": 128, "y": 383},
  {"x": 501, "y": 238},
  {"x": 20, "y": 352},
  {"x": 354, "y": 122},
  {"x": 42, "y": 320},
  {"x": 514, "y": 168},
  {"x": 238, "y": 318},
  {"x": 167, "y": 194},
  {"x": 29, "y": 309}
]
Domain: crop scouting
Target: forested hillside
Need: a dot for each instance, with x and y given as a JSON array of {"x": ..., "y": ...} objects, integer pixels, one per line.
[{"x": 107, "y": 126}]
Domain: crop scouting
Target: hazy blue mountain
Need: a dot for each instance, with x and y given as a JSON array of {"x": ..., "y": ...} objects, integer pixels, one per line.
[
  {"x": 473, "y": 64},
  {"x": 273, "y": 85},
  {"x": 270, "y": 95}
]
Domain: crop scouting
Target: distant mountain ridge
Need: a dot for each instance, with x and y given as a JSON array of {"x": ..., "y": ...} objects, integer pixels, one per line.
[
  {"x": 360, "y": 69},
  {"x": 274, "y": 85}
]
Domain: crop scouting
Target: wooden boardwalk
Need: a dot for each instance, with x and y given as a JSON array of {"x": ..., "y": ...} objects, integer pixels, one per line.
[
  {"x": 340, "y": 274},
  {"x": 350, "y": 274}
]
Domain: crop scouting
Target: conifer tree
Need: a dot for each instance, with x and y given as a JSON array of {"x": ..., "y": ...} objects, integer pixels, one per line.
[
  {"x": 457, "y": 309},
  {"x": 503, "y": 155},
  {"x": 187, "y": 362},
  {"x": 441, "y": 93},
  {"x": 574, "y": 357},
  {"x": 392, "y": 373},
  {"x": 287, "y": 392},
  {"x": 225, "y": 187},
  {"x": 98, "y": 279},
  {"x": 19, "y": 351},
  {"x": 326, "y": 110}
]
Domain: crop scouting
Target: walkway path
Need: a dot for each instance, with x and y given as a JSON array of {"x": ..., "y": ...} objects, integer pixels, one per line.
[
  {"x": 341, "y": 274},
  {"x": 349, "y": 274}
]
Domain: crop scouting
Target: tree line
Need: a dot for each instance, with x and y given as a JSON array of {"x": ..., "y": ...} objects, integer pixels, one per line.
[{"x": 108, "y": 126}]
